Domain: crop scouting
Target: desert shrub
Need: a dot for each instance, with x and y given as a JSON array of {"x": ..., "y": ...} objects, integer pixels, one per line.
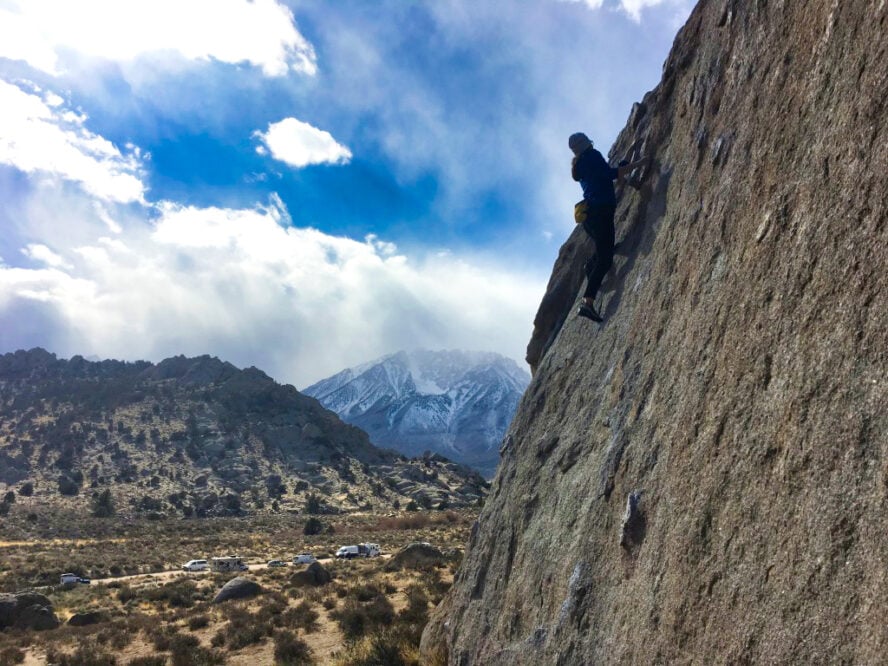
[
  {"x": 417, "y": 609},
  {"x": 313, "y": 504},
  {"x": 389, "y": 588},
  {"x": 380, "y": 611},
  {"x": 27, "y": 489},
  {"x": 11, "y": 655},
  {"x": 356, "y": 619},
  {"x": 87, "y": 654},
  {"x": 352, "y": 620},
  {"x": 126, "y": 593},
  {"x": 103, "y": 504},
  {"x": 187, "y": 651},
  {"x": 178, "y": 594},
  {"x": 364, "y": 592},
  {"x": 290, "y": 650},
  {"x": 67, "y": 486},
  {"x": 150, "y": 660},
  {"x": 243, "y": 635},
  {"x": 437, "y": 586},
  {"x": 386, "y": 647},
  {"x": 313, "y": 526},
  {"x": 115, "y": 635},
  {"x": 245, "y": 629},
  {"x": 329, "y": 603},
  {"x": 271, "y": 612},
  {"x": 198, "y": 622},
  {"x": 301, "y": 616},
  {"x": 162, "y": 637},
  {"x": 218, "y": 639}
]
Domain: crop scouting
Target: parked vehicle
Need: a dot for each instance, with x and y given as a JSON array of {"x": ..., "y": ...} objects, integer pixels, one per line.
[
  {"x": 347, "y": 552},
  {"x": 84, "y": 581},
  {"x": 304, "y": 558},
  {"x": 276, "y": 563},
  {"x": 360, "y": 550},
  {"x": 195, "y": 565},
  {"x": 72, "y": 579},
  {"x": 228, "y": 563}
]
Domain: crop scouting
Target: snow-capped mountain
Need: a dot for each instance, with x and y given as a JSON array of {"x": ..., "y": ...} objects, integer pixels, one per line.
[{"x": 455, "y": 403}]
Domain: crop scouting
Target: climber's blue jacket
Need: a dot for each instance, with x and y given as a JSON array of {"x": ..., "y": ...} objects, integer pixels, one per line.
[{"x": 595, "y": 177}]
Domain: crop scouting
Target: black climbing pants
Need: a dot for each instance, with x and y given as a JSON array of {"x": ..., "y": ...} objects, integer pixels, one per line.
[{"x": 599, "y": 224}]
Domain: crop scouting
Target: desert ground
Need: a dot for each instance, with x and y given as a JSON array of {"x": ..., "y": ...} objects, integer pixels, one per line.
[{"x": 144, "y": 610}]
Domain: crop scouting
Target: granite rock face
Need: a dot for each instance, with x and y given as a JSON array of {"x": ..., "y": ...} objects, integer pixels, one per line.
[{"x": 704, "y": 478}]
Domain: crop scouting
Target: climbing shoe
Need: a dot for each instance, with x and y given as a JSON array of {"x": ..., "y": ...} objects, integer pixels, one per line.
[{"x": 589, "y": 312}]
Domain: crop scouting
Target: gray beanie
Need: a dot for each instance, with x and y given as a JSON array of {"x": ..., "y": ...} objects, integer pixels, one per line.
[{"x": 578, "y": 143}]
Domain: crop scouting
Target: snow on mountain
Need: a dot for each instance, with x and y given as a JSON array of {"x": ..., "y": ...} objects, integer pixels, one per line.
[{"x": 455, "y": 403}]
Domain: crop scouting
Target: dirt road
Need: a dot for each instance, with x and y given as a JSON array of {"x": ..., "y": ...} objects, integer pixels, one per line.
[{"x": 164, "y": 576}]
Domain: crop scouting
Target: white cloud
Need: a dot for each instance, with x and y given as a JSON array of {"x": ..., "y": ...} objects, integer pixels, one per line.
[
  {"x": 634, "y": 7},
  {"x": 259, "y": 32},
  {"x": 245, "y": 285},
  {"x": 40, "y": 253},
  {"x": 592, "y": 4},
  {"x": 299, "y": 144},
  {"x": 51, "y": 140}
]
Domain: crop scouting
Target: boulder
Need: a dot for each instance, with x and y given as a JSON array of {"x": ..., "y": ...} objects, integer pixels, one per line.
[
  {"x": 28, "y": 610},
  {"x": 314, "y": 574},
  {"x": 418, "y": 555},
  {"x": 87, "y": 618},
  {"x": 238, "y": 588}
]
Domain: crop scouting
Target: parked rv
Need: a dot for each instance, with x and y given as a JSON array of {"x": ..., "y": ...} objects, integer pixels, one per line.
[
  {"x": 360, "y": 550},
  {"x": 228, "y": 563},
  {"x": 304, "y": 558}
]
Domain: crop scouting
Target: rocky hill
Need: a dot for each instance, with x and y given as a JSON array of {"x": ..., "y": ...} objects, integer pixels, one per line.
[
  {"x": 197, "y": 437},
  {"x": 454, "y": 403},
  {"x": 704, "y": 477}
]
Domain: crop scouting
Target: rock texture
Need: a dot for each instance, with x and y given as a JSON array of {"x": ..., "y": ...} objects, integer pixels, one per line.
[
  {"x": 87, "y": 618},
  {"x": 28, "y": 610},
  {"x": 704, "y": 478},
  {"x": 419, "y": 555},
  {"x": 314, "y": 575}
]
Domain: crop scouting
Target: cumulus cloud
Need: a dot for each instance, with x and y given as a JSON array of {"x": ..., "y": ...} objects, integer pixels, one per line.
[
  {"x": 299, "y": 144},
  {"x": 42, "y": 136},
  {"x": 42, "y": 254},
  {"x": 259, "y": 32},
  {"x": 631, "y": 7},
  {"x": 248, "y": 286}
]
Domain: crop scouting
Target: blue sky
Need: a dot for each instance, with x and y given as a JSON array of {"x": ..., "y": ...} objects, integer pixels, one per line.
[{"x": 300, "y": 186}]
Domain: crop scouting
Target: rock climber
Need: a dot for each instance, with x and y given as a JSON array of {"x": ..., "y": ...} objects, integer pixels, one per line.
[{"x": 596, "y": 212}]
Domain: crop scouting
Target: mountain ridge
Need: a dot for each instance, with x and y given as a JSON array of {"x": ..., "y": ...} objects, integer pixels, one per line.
[{"x": 198, "y": 436}]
